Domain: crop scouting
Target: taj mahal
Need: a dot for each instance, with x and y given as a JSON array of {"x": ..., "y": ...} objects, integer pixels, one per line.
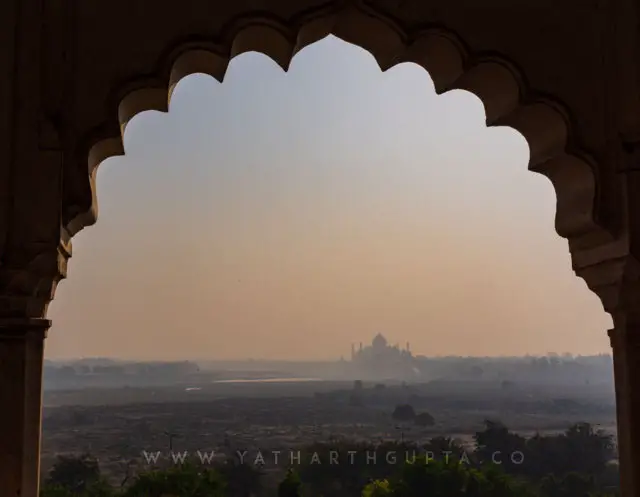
[{"x": 381, "y": 360}]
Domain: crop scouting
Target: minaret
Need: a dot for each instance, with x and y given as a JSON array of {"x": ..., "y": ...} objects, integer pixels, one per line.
[
  {"x": 353, "y": 352},
  {"x": 408, "y": 347}
]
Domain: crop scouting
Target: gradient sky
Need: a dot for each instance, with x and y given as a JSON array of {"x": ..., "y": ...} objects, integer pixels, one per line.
[{"x": 287, "y": 215}]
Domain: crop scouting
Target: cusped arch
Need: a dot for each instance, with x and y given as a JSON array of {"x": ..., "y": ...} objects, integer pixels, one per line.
[{"x": 496, "y": 81}]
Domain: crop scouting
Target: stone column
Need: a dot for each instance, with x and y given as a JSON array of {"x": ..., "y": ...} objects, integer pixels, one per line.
[
  {"x": 21, "y": 361},
  {"x": 625, "y": 342}
]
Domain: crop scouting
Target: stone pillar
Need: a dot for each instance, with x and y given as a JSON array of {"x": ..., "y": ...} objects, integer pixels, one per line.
[
  {"x": 625, "y": 342},
  {"x": 21, "y": 361}
]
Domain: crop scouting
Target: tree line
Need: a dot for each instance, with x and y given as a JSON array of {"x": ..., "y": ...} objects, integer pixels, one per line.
[{"x": 579, "y": 462}]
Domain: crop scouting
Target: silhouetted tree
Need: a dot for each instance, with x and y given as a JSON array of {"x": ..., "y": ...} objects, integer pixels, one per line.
[
  {"x": 357, "y": 464},
  {"x": 440, "y": 479},
  {"x": 377, "y": 488},
  {"x": 581, "y": 449},
  {"x": 403, "y": 413},
  {"x": 98, "y": 489},
  {"x": 446, "y": 449},
  {"x": 424, "y": 419},
  {"x": 291, "y": 486},
  {"x": 571, "y": 485},
  {"x": 185, "y": 481},
  {"x": 74, "y": 473},
  {"x": 496, "y": 444},
  {"x": 242, "y": 480}
]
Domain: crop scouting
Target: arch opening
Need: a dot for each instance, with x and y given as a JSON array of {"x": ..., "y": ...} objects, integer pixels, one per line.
[{"x": 452, "y": 95}]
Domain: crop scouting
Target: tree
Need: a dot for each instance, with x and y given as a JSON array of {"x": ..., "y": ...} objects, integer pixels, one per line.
[
  {"x": 571, "y": 485},
  {"x": 357, "y": 465},
  {"x": 424, "y": 419},
  {"x": 74, "y": 473},
  {"x": 580, "y": 449},
  {"x": 403, "y": 412},
  {"x": 441, "y": 479},
  {"x": 446, "y": 449},
  {"x": 49, "y": 490},
  {"x": 242, "y": 480},
  {"x": 377, "y": 488},
  {"x": 497, "y": 444},
  {"x": 98, "y": 489},
  {"x": 291, "y": 486},
  {"x": 180, "y": 481},
  {"x": 591, "y": 449}
]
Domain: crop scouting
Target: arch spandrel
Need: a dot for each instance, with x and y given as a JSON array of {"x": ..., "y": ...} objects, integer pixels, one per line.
[{"x": 554, "y": 43}]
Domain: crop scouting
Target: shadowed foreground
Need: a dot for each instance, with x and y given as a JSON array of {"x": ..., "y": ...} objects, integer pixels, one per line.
[{"x": 577, "y": 463}]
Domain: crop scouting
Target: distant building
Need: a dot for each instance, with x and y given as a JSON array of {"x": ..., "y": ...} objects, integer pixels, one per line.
[{"x": 383, "y": 361}]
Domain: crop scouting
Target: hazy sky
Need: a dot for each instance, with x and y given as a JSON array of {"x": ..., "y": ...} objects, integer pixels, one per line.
[{"x": 287, "y": 215}]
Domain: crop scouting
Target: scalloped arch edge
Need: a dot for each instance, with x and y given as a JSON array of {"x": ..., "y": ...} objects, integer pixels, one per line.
[{"x": 494, "y": 81}]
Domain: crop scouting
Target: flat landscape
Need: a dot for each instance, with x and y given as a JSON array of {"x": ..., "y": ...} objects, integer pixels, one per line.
[{"x": 121, "y": 426}]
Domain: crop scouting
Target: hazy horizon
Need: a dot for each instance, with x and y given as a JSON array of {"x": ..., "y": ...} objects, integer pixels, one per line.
[
  {"x": 292, "y": 360},
  {"x": 288, "y": 215}
]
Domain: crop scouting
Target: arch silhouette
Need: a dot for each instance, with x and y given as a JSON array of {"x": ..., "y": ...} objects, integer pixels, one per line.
[{"x": 508, "y": 101}]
